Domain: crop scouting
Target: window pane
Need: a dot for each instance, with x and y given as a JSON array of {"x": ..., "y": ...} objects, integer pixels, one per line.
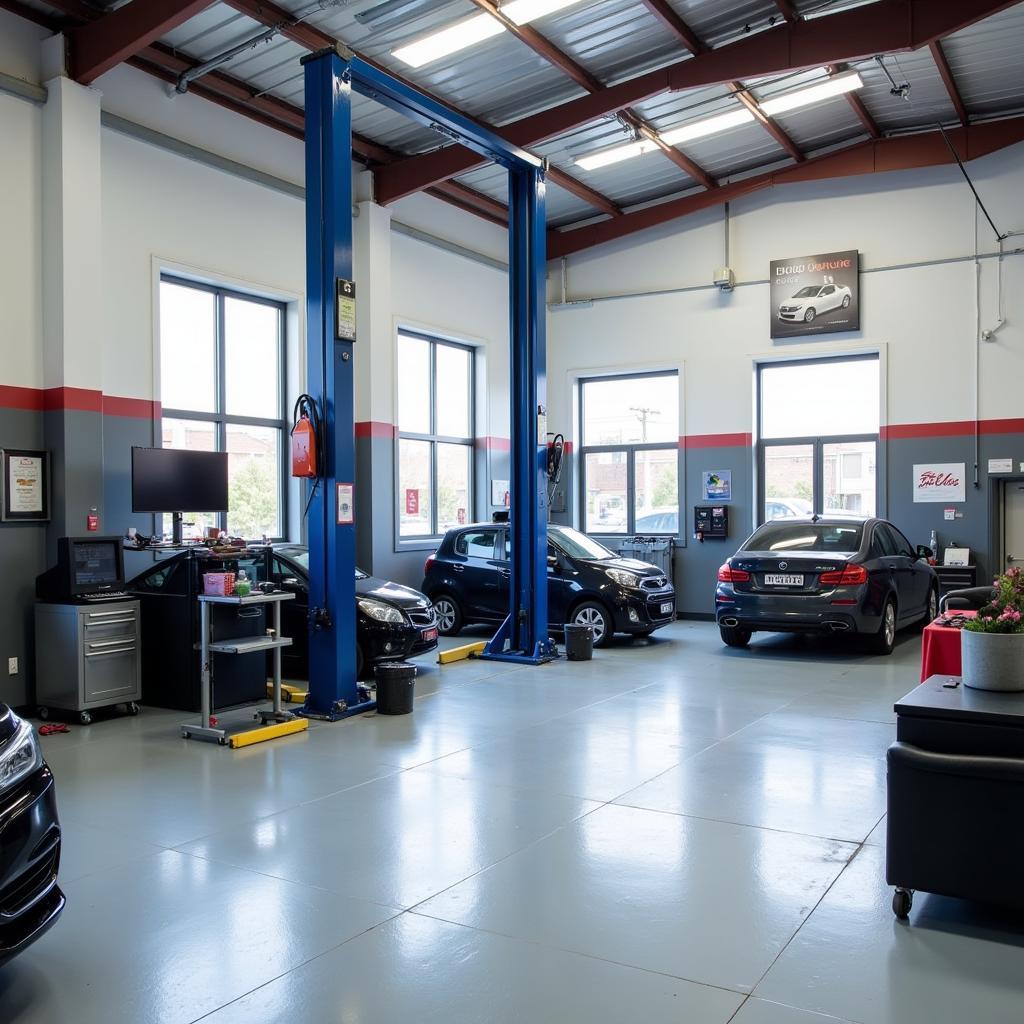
[
  {"x": 453, "y": 390},
  {"x": 414, "y": 488},
  {"x": 254, "y": 481},
  {"x": 850, "y": 477},
  {"x": 413, "y": 385},
  {"x": 452, "y": 485},
  {"x": 252, "y": 354},
  {"x": 837, "y": 396},
  {"x": 606, "y": 492},
  {"x": 631, "y": 410},
  {"x": 656, "y": 479},
  {"x": 193, "y": 436},
  {"x": 788, "y": 480},
  {"x": 188, "y": 350},
  {"x": 476, "y": 544}
]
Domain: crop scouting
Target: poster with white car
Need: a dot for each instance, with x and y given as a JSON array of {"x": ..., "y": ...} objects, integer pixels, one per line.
[{"x": 815, "y": 294}]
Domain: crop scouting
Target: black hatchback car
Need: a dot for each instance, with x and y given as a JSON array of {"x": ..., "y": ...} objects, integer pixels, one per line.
[
  {"x": 831, "y": 574},
  {"x": 30, "y": 901},
  {"x": 467, "y": 578}
]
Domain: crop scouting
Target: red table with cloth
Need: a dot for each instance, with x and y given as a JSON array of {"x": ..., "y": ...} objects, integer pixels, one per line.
[{"x": 940, "y": 648}]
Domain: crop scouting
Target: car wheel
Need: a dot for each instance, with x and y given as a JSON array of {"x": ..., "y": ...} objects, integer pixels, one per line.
[
  {"x": 735, "y": 636},
  {"x": 449, "y": 615},
  {"x": 846, "y": 301},
  {"x": 931, "y": 612},
  {"x": 809, "y": 315},
  {"x": 885, "y": 639},
  {"x": 595, "y": 615}
]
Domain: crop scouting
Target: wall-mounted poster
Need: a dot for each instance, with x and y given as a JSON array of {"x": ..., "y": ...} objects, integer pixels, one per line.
[
  {"x": 717, "y": 485},
  {"x": 940, "y": 481},
  {"x": 26, "y": 486},
  {"x": 815, "y": 294}
]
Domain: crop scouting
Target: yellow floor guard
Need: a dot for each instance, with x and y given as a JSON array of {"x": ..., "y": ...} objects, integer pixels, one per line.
[
  {"x": 290, "y": 694},
  {"x": 268, "y": 732},
  {"x": 458, "y": 653}
]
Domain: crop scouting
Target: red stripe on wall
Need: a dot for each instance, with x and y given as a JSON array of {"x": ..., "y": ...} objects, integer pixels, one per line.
[
  {"x": 72, "y": 400},
  {"x": 951, "y": 428},
  {"x": 30, "y": 399},
  {"x": 136, "y": 408},
  {"x": 374, "y": 428},
  {"x": 76, "y": 400},
  {"x": 494, "y": 444},
  {"x": 716, "y": 441}
]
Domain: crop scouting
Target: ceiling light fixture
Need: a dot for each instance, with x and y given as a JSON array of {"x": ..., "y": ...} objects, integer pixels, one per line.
[
  {"x": 523, "y": 11},
  {"x": 449, "y": 40},
  {"x": 837, "y": 86},
  {"x": 615, "y": 154}
]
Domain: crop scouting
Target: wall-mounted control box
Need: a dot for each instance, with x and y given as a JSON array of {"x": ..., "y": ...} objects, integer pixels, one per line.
[{"x": 711, "y": 522}]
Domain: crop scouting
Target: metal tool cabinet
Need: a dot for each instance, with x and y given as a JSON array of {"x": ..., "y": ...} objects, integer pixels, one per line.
[{"x": 87, "y": 657}]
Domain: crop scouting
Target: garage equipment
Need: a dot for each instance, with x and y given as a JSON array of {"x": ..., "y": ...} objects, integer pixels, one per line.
[
  {"x": 653, "y": 550},
  {"x": 396, "y": 687},
  {"x": 330, "y": 77},
  {"x": 460, "y": 653}
]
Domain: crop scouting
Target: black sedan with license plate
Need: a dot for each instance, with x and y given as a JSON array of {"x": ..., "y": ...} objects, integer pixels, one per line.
[{"x": 832, "y": 574}]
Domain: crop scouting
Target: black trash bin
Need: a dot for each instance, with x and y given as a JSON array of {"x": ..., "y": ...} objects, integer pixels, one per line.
[
  {"x": 579, "y": 642},
  {"x": 396, "y": 685}
]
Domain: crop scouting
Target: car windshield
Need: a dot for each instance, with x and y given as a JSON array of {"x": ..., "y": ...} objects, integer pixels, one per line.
[
  {"x": 579, "y": 545},
  {"x": 780, "y": 536},
  {"x": 301, "y": 558},
  {"x": 806, "y": 293}
]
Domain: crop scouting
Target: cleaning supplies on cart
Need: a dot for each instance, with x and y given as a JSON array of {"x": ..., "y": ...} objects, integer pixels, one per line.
[{"x": 243, "y": 585}]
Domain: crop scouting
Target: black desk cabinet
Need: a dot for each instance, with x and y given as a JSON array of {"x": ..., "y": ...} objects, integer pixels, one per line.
[{"x": 955, "y": 796}]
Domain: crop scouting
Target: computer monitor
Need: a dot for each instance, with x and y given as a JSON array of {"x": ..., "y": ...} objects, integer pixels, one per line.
[
  {"x": 91, "y": 565},
  {"x": 175, "y": 481}
]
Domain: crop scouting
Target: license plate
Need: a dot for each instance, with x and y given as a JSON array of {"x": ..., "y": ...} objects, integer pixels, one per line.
[
  {"x": 666, "y": 607},
  {"x": 428, "y": 635},
  {"x": 784, "y": 581}
]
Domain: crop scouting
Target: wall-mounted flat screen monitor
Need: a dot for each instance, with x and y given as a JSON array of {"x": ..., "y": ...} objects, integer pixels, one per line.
[{"x": 171, "y": 480}]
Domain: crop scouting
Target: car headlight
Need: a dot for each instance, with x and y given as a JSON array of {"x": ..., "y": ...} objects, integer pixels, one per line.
[
  {"x": 20, "y": 756},
  {"x": 380, "y": 611},
  {"x": 624, "y": 579}
]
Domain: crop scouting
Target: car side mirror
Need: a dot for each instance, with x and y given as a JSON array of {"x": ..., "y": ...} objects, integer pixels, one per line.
[
  {"x": 924, "y": 552},
  {"x": 291, "y": 583},
  {"x": 553, "y": 564}
]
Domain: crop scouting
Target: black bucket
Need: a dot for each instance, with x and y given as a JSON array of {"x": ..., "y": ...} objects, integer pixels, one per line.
[
  {"x": 579, "y": 642},
  {"x": 396, "y": 685}
]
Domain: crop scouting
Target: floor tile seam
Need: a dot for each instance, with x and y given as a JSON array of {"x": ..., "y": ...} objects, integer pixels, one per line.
[
  {"x": 296, "y": 967},
  {"x": 576, "y": 952},
  {"x": 845, "y": 718},
  {"x": 746, "y": 824},
  {"x": 120, "y": 866}
]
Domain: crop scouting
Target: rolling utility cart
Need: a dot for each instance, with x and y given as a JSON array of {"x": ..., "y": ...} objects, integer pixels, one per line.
[
  {"x": 237, "y": 645},
  {"x": 87, "y": 657}
]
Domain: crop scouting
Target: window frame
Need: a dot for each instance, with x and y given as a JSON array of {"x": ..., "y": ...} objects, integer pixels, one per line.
[
  {"x": 404, "y": 542},
  {"x": 817, "y": 443},
  {"x": 630, "y": 449},
  {"x": 220, "y": 418}
]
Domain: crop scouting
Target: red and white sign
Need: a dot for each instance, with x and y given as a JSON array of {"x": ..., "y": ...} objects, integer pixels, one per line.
[
  {"x": 940, "y": 481},
  {"x": 460, "y": 516},
  {"x": 92, "y": 522},
  {"x": 412, "y": 501}
]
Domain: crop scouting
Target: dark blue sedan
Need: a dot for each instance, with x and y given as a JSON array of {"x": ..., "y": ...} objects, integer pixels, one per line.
[{"x": 826, "y": 575}]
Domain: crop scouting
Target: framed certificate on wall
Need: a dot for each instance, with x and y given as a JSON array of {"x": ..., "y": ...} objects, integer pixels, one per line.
[{"x": 25, "y": 487}]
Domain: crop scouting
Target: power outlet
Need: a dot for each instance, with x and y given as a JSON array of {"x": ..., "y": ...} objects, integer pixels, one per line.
[{"x": 12, "y": 666}]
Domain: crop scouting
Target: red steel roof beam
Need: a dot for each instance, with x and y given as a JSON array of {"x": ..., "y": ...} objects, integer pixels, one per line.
[
  {"x": 939, "y": 56},
  {"x": 787, "y": 10},
  {"x": 889, "y": 26},
  {"x": 862, "y": 112}
]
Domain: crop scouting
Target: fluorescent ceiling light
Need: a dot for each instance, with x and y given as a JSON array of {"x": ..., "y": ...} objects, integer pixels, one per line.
[
  {"x": 523, "y": 11},
  {"x": 449, "y": 40},
  {"x": 847, "y": 82},
  {"x": 614, "y": 155},
  {"x": 707, "y": 126}
]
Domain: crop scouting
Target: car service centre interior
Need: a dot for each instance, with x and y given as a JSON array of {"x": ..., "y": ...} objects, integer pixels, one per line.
[{"x": 511, "y": 511}]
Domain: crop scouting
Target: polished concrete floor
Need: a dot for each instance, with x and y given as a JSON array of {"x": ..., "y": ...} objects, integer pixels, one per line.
[{"x": 674, "y": 832}]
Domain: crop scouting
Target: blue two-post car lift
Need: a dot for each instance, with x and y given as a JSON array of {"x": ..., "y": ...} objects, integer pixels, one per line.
[{"x": 330, "y": 77}]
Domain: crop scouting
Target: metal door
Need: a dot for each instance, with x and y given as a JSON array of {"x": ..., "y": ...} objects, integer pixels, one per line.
[{"x": 1013, "y": 524}]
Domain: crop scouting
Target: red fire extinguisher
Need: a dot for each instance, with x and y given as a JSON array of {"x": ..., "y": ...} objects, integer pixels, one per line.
[{"x": 305, "y": 437}]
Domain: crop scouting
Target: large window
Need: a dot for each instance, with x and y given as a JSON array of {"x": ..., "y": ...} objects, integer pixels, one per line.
[
  {"x": 629, "y": 457},
  {"x": 222, "y": 389},
  {"x": 435, "y": 436},
  {"x": 818, "y": 439}
]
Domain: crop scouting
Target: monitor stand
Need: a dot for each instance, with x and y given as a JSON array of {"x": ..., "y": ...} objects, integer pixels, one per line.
[{"x": 177, "y": 533}]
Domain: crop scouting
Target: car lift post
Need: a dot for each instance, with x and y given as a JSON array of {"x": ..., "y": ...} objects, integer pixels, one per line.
[{"x": 330, "y": 77}]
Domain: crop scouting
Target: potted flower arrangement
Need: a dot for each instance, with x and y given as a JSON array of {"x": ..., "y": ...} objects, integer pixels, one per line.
[{"x": 993, "y": 642}]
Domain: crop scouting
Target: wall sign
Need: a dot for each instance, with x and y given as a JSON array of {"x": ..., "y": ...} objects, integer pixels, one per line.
[
  {"x": 412, "y": 501},
  {"x": 1000, "y": 465},
  {"x": 25, "y": 486},
  {"x": 815, "y": 294},
  {"x": 717, "y": 485},
  {"x": 940, "y": 481},
  {"x": 345, "y": 309},
  {"x": 346, "y": 506},
  {"x": 499, "y": 492}
]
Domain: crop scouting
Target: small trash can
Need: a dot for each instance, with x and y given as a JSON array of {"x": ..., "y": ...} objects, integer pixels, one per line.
[
  {"x": 396, "y": 685},
  {"x": 579, "y": 642}
]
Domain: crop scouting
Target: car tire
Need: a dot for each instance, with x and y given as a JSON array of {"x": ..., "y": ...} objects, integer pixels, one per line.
[
  {"x": 735, "y": 636},
  {"x": 449, "y": 615},
  {"x": 594, "y": 614},
  {"x": 846, "y": 301},
  {"x": 885, "y": 639},
  {"x": 810, "y": 315},
  {"x": 931, "y": 610}
]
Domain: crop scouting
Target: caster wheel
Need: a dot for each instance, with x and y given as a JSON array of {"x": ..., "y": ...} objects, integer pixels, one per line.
[
  {"x": 186, "y": 735},
  {"x": 133, "y": 708},
  {"x": 222, "y": 742},
  {"x": 902, "y": 901},
  {"x": 85, "y": 718},
  {"x": 44, "y": 713}
]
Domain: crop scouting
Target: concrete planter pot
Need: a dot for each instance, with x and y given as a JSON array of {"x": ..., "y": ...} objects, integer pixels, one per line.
[{"x": 992, "y": 661}]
